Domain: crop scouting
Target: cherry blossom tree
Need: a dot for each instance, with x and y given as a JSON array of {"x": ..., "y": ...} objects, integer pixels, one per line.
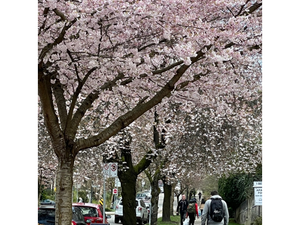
[
  {"x": 204, "y": 142},
  {"x": 103, "y": 64}
]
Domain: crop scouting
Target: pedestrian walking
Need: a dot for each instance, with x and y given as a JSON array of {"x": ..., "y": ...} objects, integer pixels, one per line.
[
  {"x": 192, "y": 211},
  {"x": 192, "y": 193},
  {"x": 202, "y": 205},
  {"x": 200, "y": 194},
  {"x": 215, "y": 211},
  {"x": 181, "y": 208}
]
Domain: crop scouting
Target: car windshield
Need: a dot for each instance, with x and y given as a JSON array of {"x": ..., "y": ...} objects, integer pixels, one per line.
[
  {"x": 141, "y": 195},
  {"x": 77, "y": 215},
  {"x": 88, "y": 211}
]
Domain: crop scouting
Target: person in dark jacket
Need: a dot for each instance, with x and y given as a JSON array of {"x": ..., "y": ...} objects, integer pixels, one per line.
[
  {"x": 182, "y": 208},
  {"x": 200, "y": 194}
]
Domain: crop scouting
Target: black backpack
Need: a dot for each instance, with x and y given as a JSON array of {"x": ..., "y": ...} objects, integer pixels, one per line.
[{"x": 216, "y": 210}]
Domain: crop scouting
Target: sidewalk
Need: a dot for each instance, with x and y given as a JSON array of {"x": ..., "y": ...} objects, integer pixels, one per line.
[{"x": 197, "y": 221}]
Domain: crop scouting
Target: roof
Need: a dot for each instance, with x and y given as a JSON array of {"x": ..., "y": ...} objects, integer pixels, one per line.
[
  {"x": 47, "y": 207},
  {"x": 86, "y": 204}
]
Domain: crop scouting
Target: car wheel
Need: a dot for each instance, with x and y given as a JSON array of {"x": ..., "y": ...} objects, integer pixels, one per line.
[
  {"x": 117, "y": 219},
  {"x": 141, "y": 221},
  {"x": 147, "y": 220}
]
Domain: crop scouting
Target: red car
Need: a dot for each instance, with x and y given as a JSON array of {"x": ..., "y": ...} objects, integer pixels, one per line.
[{"x": 92, "y": 212}]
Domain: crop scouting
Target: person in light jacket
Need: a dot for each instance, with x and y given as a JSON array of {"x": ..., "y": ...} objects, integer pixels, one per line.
[{"x": 205, "y": 215}]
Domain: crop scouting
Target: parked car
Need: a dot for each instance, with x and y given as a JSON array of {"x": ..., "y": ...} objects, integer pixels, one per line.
[
  {"x": 91, "y": 212},
  {"x": 148, "y": 205},
  {"x": 142, "y": 214},
  {"x": 46, "y": 215},
  {"x": 141, "y": 196},
  {"x": 162, "y": 189},
  {"x": 78, "y": 218},
  {"x": 47, "y": 202},
  {"x": 144, "y": 195},
  {"x": 148, "y": 194}
]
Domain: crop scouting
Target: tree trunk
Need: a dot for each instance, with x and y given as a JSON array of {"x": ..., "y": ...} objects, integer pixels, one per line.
[
  {"x": 172, "y": 199},
  {"x": 128, "y": 182},
  {"x": 64, "y": 183},
  {"x": 166, "y": 203},
  {"x": 154, "y": 199},
  {"x": 37, "y": 191}
]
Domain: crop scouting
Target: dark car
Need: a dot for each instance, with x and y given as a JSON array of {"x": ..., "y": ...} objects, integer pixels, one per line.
[{"x": 46, "y": 215}]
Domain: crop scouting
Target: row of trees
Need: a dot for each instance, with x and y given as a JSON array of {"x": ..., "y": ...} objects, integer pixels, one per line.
[
  {"x": 108, "y": 69},
  {"x": 169, "y": 164}
]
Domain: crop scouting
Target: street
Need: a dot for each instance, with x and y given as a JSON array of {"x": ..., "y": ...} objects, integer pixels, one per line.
[{"x": 160, "y": 204}]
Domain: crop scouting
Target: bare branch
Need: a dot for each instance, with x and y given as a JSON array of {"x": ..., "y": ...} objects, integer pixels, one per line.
[
  {"x": 61, "y": 102},
  {"x": 58, "y": 40},
  {"x": 126, "y": 119},
  {"x": 60, "y": 14}
]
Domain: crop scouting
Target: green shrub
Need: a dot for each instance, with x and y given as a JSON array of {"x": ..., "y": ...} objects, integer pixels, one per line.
[
  {"x": 232, "y": 222},
  {"x": 234, "y": 189},
  {"x": 258, "y": 221},
  {"x": 237, "y": 187}
]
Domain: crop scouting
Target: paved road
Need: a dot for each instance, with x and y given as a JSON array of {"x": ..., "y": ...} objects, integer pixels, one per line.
[
  {"x": 160, "y": 203},
  {"x": 112, "y": 220}
]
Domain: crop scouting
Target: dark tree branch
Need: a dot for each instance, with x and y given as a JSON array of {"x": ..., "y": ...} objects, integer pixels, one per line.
[
  {"x": 61, "y": 103},
  {"x": 124, "y": 120},
  {"x": 58, "y": 40},
  {"x": 73, "y": 123},
  {"x": 77, "y": 92},
  {"x": 50, "y": 118}
]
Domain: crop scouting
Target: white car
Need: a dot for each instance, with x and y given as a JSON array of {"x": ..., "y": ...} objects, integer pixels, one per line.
[
  {"x": 148, "y": 194},
  {"x": 142, "y": 215}
]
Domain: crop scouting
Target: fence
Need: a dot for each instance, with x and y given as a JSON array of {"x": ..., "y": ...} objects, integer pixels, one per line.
[{"x": 247, "y": 212}]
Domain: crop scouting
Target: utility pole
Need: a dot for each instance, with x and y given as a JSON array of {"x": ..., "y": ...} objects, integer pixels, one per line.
[
  {"x": 150, "y": 207},
  {"x": 104, "y": 199},
  {"x": 91, "y": 191}
]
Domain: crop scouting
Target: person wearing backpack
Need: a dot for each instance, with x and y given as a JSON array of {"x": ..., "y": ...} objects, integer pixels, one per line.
[
  {"x": 192, "y": 211},
  {"x": 215, "y": 211}
]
